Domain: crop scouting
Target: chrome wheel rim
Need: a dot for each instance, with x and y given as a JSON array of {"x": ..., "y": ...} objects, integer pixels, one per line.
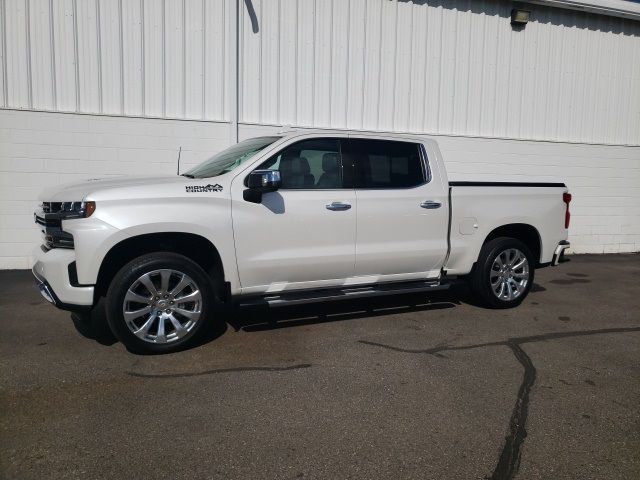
[
  {"x": 162, "y": 306},
  {"x": 509, "y": 275}
]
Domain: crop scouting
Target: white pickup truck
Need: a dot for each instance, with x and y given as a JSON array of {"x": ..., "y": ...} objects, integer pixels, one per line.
[{"x": 298, "y": 217}]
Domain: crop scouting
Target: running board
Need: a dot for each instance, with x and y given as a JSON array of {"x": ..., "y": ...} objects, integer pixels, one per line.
[{"x": 325, "y": 295}]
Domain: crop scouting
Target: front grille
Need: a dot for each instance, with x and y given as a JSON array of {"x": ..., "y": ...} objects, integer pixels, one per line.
[
  {"x": 45, "y": 222},
  {"x": 51, "y": 207},
  {"x": 52, "y": 234},
  {"x": 58, "y": 239}
]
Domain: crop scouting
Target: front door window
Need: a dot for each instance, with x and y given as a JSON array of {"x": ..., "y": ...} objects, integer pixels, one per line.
[{"x": 309, "y": 164}]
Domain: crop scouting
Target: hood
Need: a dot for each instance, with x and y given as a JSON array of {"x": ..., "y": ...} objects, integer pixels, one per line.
[{"x": 77, "y": 191}]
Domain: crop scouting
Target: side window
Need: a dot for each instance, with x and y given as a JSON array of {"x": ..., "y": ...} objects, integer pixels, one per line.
[
  {"x": 386, "y": 164},
  {"x": 309, "y": 164}
]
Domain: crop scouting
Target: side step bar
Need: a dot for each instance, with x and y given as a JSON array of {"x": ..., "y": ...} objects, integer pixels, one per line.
[{"x": 325, "y": 295}]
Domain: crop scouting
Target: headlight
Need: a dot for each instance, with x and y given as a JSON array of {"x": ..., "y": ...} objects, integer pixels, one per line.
[
  {"x": 67, "y": 210},
  {"x": 77, "y": 209}
]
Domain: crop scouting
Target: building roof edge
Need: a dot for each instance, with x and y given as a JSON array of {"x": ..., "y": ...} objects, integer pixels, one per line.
[{"x": 615, "y": 8}]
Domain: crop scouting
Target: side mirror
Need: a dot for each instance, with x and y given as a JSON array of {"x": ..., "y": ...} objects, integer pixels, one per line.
[{"x": 259, "y": 182}]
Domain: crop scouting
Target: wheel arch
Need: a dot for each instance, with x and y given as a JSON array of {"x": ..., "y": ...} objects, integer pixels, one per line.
[
  {"x": 527, "y": 234},
  {"x": 193, "y": 246}
]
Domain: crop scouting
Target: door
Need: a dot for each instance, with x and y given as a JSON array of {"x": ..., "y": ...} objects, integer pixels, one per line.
[
  {"x": 402, "y": 218},
  {"x": 302, "y": 235}
]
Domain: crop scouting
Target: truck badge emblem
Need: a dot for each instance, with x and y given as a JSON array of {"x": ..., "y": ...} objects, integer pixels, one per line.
[{"x": 203, "y": 188}]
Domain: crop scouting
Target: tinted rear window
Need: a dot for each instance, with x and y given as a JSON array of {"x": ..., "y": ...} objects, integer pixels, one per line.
[{"x": 386, "y": 164}]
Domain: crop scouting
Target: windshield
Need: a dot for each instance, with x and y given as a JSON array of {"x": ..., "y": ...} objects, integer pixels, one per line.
[{"x": 230, "y": 158}]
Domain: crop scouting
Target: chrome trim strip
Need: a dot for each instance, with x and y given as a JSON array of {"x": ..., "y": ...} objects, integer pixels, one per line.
[{"x": 44, "y": 289}]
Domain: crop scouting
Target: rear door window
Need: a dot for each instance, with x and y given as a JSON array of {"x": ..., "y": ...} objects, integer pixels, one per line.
[{"x": 386, "y": 164}]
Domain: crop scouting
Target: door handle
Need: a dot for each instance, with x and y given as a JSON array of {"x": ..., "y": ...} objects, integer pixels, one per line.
[
  {"x": 338, "y": 206},
  {"x": 430, "y": 204}
]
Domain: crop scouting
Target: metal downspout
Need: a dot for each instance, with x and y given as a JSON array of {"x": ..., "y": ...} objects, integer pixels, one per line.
[{"x": 234, "y": 87}]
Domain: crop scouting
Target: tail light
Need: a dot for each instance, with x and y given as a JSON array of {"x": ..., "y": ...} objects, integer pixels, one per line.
[{"x": 566, "y": 198}]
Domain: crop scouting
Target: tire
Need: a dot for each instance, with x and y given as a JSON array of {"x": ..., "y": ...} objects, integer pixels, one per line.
[
  {"x": 176, "y": 297},
  {"x": 503, "y": 287},
  {"x": 82, "y": 323}
]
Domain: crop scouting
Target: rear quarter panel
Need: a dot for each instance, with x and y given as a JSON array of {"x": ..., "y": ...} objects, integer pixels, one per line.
[{"x": 478, "y": 210}]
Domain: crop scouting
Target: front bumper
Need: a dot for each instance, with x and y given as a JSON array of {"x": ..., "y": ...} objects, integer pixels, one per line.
[
  {"x": 51, "y": 270},
  {"x": 558, "y": 255}
]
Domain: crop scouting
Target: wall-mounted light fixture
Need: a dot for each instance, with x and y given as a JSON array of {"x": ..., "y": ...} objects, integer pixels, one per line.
[{"x": 519, "y": 18}]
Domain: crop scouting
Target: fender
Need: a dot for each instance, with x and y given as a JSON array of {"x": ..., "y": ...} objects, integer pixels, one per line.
[{"x": 92, "y": 245}]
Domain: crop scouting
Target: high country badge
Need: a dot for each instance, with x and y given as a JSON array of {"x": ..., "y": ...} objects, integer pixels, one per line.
[{"x": 203, "y": 188}]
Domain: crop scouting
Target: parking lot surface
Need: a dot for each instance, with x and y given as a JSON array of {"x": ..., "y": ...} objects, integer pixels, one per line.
[{"x": 409, "y": 386}]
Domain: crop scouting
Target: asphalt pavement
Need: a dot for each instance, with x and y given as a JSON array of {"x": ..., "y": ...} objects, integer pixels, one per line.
[{"x": 403, "y": 387}]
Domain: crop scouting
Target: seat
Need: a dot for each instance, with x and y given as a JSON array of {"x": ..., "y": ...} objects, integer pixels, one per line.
[
  {"x": 295, "y": 172},
  {"x": 330, "y": 177}
]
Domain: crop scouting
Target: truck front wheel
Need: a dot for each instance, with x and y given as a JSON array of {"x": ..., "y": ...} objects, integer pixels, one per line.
[
  {"x": 159, "y": 303},
  {"x": 504, "y": 273}
]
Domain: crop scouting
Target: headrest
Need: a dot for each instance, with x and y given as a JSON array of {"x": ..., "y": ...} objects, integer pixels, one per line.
[
  {"x": 330, "y": 162},
  {"x": 305, "y": 169},
  {"x": 294, "y": 165}
]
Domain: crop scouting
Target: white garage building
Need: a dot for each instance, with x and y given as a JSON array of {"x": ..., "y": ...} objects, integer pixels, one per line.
[{"x": 91, "y": 88}]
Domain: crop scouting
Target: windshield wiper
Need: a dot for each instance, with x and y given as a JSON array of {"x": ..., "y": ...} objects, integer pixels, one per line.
[{"x": 188, "y": 175}]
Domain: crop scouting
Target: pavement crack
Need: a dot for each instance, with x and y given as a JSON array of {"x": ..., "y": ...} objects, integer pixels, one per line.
[
  {"x": 431, "y": 351},
  {"x": 514, "y": 340},
  {"x": 574, "y": 333},
  {"x": 220, "y": 370},
  {"x": 509, "y": 460}
]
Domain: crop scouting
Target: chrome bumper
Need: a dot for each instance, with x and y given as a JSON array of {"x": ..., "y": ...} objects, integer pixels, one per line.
[
  {"x": 51, "y": 270},
  {"x": 558, "y": 255},
  {"x": 50, "y": 295},
  {"x": 45, "y": 290}
]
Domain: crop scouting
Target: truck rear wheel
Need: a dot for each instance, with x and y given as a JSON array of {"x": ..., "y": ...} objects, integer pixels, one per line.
[
  {"x": 159, "y": 303},
  {"x": 504, "y": 273}
]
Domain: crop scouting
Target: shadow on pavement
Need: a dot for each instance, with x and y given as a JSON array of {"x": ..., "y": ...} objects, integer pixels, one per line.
[
  {"x": 94, "y": 325},
  {"x": 260, "y": 318}
]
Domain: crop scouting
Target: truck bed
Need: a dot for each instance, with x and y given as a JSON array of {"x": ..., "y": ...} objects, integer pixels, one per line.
[{"x": 478, "y": 208}]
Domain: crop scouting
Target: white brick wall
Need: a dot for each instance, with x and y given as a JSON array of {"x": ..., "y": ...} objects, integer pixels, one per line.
[{"x": 39, "y": 149}]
